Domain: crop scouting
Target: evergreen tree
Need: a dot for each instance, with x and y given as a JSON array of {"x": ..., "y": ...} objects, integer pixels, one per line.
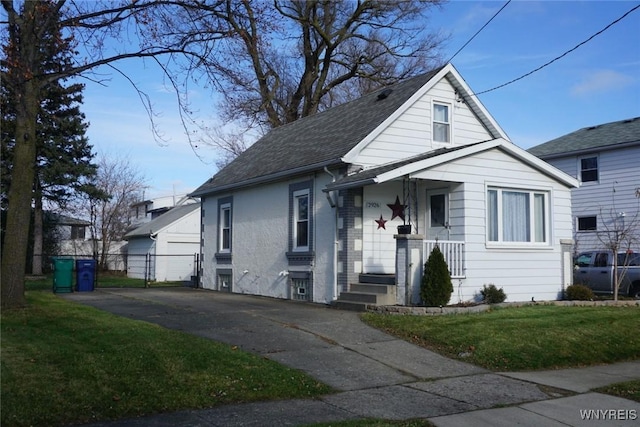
[
  {"x": 63, "y": 154},
  {"x": 436, "y": 287}
]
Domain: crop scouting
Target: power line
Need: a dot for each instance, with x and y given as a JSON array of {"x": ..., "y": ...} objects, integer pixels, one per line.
[
  {"x": 478, "y": 32},
  {"x": 563, "y": 55}
]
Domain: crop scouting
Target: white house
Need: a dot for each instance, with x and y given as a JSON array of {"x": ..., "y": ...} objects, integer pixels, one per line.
[
  {"x": 311, "y": 210},
  {"x": 149, "y": 209},
  {"x": 604, "y": 159},
  {"x": 166, "y": 248}
]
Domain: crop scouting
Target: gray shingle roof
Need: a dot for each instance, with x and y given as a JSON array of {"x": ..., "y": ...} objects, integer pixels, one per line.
[
  {"x": 315, "y": 141},
  {"x": 162, "y": 221},
  {"x": 370, "y": 174},
  {"x": 591, "y": 138}
]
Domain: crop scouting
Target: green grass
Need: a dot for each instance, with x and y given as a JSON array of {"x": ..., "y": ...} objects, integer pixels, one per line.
[
  {"x": 65, "y": 363},
  {"x": 104, "y": 280},
  {"x": 627, "y": 390},
  {"x": 526, "y": 338}
]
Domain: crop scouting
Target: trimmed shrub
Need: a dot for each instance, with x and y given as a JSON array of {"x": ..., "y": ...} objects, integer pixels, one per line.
[
  {"x": 578, "y": 293},
  {"x": 436, "y": 287},
  {"x": 492, "y": 295}
]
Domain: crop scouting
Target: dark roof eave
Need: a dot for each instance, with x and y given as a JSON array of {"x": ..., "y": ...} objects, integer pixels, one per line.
[
  {"x": 266, "y": 178},
  {"x": 352, "y": 184}
]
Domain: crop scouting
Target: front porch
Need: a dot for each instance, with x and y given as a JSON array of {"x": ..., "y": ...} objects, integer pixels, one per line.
[{"x": 403, "y": 286}]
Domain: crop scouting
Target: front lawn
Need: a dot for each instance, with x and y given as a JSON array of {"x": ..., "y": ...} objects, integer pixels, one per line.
[
  {"x": 525, "y": 338},
  {"x": 64, "y": 363}
]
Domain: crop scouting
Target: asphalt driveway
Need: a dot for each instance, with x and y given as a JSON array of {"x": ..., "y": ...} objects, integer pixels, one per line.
[{"x": 377, "y": 375}]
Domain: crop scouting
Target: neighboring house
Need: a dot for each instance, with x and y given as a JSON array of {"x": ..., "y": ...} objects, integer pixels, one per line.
[
  {"x": 148, "y": 210},
  {"x": 75, "y": 241},
  {"x": 166, "y": 248},
  {"x": 605, "y": 159},
  {"x": 311, "y": 210},
  {"x": 68, "y": 228}
]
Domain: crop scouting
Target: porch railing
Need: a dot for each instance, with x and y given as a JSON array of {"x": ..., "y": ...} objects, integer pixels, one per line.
[{"x": 453, "y": 252}]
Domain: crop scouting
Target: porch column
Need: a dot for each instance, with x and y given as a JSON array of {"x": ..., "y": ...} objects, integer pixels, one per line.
[{"x": 409, "y": 248}]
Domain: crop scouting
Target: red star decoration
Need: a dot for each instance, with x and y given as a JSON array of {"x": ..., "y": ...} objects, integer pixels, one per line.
[
  {"x": 398, "y": 209},
  {"x": 381, "y": 223}
]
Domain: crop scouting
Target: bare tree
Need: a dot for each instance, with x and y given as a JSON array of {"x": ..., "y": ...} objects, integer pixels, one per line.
[
  {"x": 124, "y": 185},
  {"x": 620, "y": 233},
  {"x": 106, "y": 32},
  {"x": 288, "y": 59}
]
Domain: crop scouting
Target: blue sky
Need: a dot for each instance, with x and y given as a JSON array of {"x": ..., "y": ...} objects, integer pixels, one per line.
[{"x": 597, "y": 83}]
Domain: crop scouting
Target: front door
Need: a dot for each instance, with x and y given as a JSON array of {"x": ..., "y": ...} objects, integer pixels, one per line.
[{"x": 437, "y": 214}]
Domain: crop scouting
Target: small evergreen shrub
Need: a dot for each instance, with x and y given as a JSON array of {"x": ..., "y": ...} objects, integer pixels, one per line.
[
  {"x": 436, "y": 287},
  {"x": 492, "y": 295},
  {"x": 578, "y": 293}
]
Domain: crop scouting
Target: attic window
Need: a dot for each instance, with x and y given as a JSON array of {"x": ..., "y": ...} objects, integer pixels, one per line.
[
  {"x": 441, "y": 123},
  {"x": 384, "y": 94}
]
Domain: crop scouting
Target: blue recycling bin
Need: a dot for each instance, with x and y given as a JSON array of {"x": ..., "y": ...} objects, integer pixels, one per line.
[
  {"x": 62, "y": 275},
  {"x": 85, "y": 274}
]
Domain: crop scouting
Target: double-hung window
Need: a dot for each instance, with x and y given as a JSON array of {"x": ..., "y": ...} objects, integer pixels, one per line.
[
  {"x": 301, "y": 220},
  {"x": 589, "y": 169},
  {"x": 517, "y": 216},
  {"x": 224, "y": 231},
  {"x": 441, "y": 122}
]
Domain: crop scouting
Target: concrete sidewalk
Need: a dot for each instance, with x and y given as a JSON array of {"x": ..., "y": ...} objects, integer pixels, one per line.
[{"x": 377, "y": 375}]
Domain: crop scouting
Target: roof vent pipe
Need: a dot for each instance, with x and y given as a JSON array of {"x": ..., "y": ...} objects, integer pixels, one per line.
[{"x": 384, "y": 94}]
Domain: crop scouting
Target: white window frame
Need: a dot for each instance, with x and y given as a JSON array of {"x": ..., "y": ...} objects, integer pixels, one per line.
[
  {"x": 435, "y": 122},
  {"x": 225, "y": 207},
  {"x": 532, "y": 193},
  {"x": 580, "y": 159},
  {"x": 296, "y": 219}
]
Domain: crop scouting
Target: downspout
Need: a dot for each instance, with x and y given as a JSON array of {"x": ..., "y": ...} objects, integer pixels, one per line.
[{"x": 331, "y": 197}]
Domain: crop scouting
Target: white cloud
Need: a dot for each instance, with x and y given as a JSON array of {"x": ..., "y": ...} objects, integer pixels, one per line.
[{"x": 601, "y": 81}]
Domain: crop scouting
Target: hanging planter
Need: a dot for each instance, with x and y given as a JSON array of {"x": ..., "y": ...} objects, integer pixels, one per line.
[{"x": 404, "y": 229}]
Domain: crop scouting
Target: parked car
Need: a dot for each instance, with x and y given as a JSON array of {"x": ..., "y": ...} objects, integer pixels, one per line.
[{"x": 595, "y": 270}]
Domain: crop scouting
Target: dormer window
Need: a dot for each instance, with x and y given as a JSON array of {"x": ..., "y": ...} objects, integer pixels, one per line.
[{"x": 441, "y": 122}]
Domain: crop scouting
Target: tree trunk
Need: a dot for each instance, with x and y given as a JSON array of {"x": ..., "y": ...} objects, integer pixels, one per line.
[
  {"x": 38, "y": 232},
  {"x": 14, "y": 250},
  {"x": 26, "y": 87}
]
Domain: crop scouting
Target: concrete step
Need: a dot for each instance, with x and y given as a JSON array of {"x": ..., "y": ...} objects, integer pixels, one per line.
[
  {"x": 372, "y": 288},
  {"x": 380, "y": 279},
  {"x": 369, "y": 293},
  {"x": 350, "y": 305}
]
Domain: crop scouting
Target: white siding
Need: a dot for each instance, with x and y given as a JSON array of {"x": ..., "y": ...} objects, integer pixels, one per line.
[
  {"x": 172, "y": 251},
  {"x": 613, "y": 193},
  {"x": 137, "y": 250},
  {"x": 260, "y": 241},
  {"x": 410, "y": 134},
  {"x": 523, "y": 272}
]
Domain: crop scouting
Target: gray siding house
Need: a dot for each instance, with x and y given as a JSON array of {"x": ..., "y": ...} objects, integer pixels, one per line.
[
  {"x": 605, "y": 159},
  {"x": 312, "y": 210}
]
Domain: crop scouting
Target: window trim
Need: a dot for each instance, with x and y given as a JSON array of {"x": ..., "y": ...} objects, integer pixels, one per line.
[
  {"x": 581, "y": 170},
  {"x": 296, "y": 220},
  {"x": 435, "y": 122},
  {"x": 224, "y": 254},
  {"x": 301, "y": 255},
  {"x": 532, "y": 192}
]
